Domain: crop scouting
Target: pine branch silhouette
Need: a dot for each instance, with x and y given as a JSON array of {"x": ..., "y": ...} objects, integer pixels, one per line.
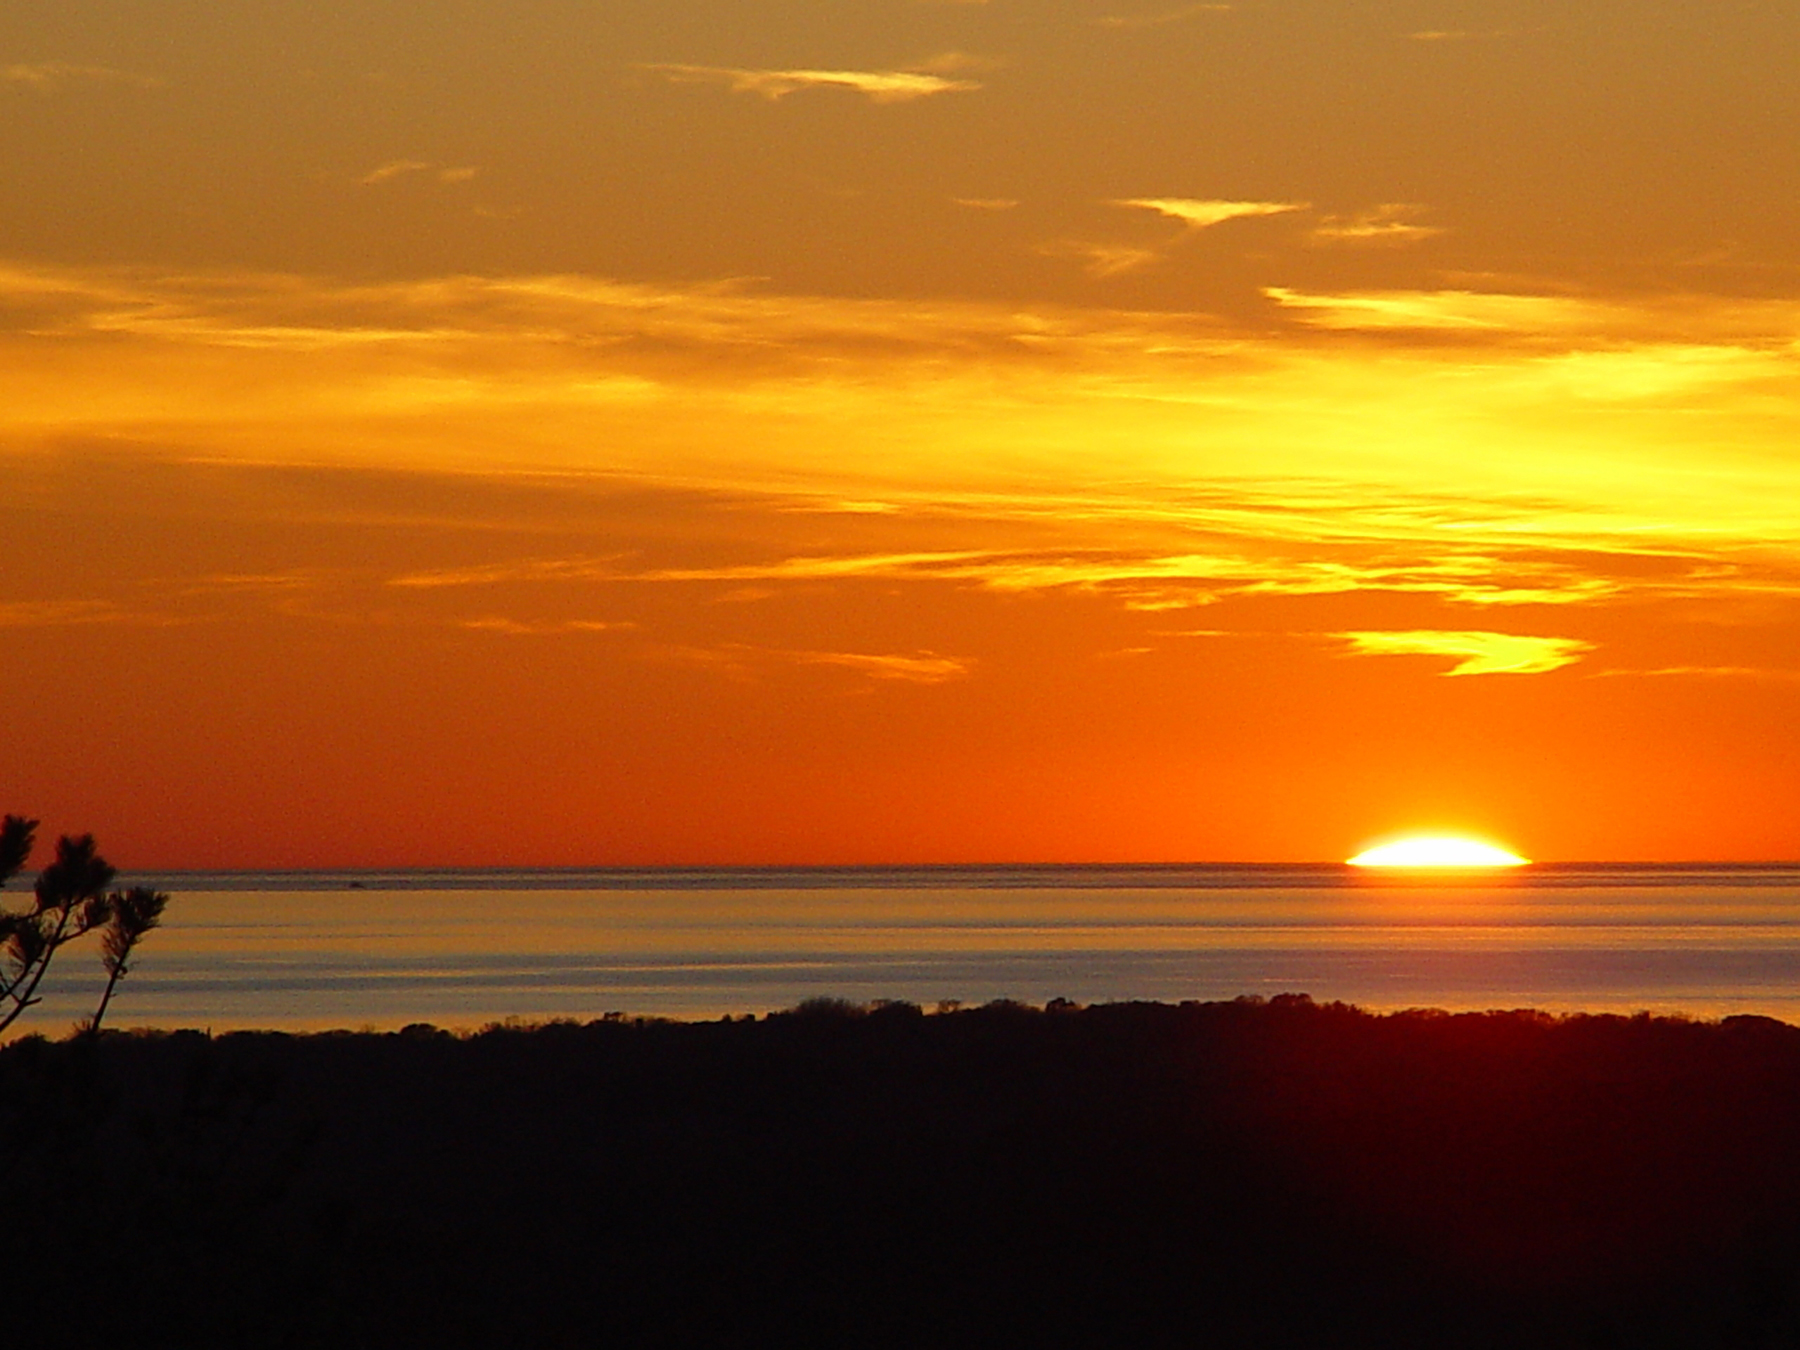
[
  {"x": 70, "y": 900},
  {"x": 133, "y": 913}
]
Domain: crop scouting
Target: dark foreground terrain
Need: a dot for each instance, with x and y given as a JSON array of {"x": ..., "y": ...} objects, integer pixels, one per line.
[{"x": 1219, "y": 1175}]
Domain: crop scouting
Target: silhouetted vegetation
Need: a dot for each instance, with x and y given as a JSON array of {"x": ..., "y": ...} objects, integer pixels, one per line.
[
  {"x": 1225, "y": 1175},
  {"x": 69, "y": 901}
]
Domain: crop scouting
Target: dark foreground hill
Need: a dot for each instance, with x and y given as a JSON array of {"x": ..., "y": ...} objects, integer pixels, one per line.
[{"x": 1212, "y": 1175}]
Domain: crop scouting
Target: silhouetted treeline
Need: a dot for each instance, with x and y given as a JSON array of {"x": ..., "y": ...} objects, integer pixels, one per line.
[{"x": 1242, "y": 1174}]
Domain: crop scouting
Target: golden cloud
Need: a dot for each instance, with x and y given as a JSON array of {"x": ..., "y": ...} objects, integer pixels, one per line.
[
  {"x": 1199, "y": 215},
  {"x": 1477, "y": 653},
  {"x": 1141, "y": 580},
  {"x": 1489, "y": 450},
  {"x": 879, "y": 86}
]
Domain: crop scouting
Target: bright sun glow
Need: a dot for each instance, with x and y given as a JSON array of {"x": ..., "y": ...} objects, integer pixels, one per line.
[{"x": 1436, "y": 850}]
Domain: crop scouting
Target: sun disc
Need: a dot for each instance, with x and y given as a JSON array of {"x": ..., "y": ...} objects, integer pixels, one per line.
[{"x": 1437, "y": 850}]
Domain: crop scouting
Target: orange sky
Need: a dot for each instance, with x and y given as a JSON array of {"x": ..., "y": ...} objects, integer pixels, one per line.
[{"x": 550, "y": 433}]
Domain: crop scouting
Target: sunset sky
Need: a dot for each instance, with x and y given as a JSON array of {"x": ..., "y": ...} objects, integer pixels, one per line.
[{"x": 836, "y": 431}]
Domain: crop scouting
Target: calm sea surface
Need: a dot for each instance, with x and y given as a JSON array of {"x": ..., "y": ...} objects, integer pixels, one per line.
[{"x": 464, "y": 948}]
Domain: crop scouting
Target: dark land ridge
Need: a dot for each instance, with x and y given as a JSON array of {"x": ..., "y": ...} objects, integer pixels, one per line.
[{"x": 1243, "y": 1174}]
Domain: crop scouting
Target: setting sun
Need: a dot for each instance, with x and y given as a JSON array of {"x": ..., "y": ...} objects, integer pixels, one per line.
[{"x": 1436, "y": 850}]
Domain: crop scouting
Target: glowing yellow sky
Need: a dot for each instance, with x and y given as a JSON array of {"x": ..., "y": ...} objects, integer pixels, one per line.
[{"x": 900, "y": 431}]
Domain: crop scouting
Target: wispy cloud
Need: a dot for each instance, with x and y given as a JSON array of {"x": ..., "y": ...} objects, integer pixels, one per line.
[
  {"x": 255, "y": 583},
  {"x": 569, "y": 313},
  {"x": 1462, "y": 34},
  {"x": 1477, "y": 653},
  {"x": 400, "y": 168},
  {"x": 507, "y": 573},
  {"x": 920, "y": 668},
  {"x": 1101, "y": 260},
  {"x": 1391, "y": 223},
  {"x": 915, "y": 668},
  {"x": 1444, "y": 310},
  {"x": 75, "y": 613},
  {"x": 612, "y": 568},
  {"x": 1159, "y": 18},
  {"x": 57, "y": 613},
  {"x": 1709, "y": 673},
  {"x": 1142, "y": 581},
  {"x": 878, "y": 86},
  {"x": 1200, "y": 214},
  {"x": 496, "y": 623},
  {"x": 986, "y": 203},
  {"x": 394, "y": 168},
  {"x": 49, "y": 76},
  {"x": 546, "y": 314},
  {"x": 956, "y": 62}
]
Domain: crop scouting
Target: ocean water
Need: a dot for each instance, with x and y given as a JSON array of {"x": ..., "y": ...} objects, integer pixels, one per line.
[{"x": 465, "y": 948}]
